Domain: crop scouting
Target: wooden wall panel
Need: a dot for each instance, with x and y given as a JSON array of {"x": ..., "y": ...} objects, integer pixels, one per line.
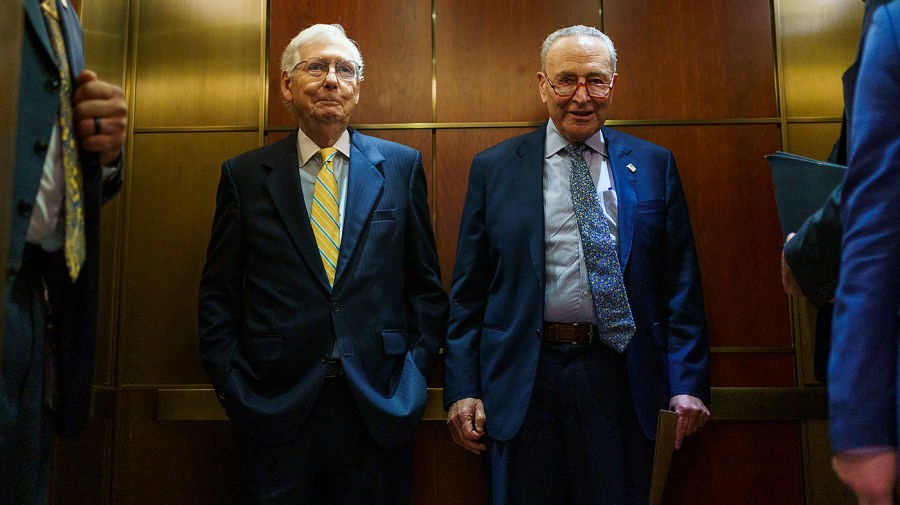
[
  {"x": 729, "y": 190},
  {"x": 460, "y": 474},
  {"x": 752, "y": 370},
  {"x": 171, "y": 463},
  {"x": 738, "y": 463},
  {"x": 197, "y": 63},
  {"x": 171, "y": 199},
  {"x": 455, "y": 150},
  {"x": 692, "y": 59},
  {"x": 394, "y": 37},
  {"x": 81, "y": 466},
  {"x": 488, "y": 55}
]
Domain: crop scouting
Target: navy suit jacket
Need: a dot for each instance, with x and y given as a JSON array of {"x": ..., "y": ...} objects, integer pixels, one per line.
[
  {"x": 37, "y": 112},
  {"x": 863, "y": 374},
  {"x": 497, "y": 298},
  {"x": 269, "y": 319}
]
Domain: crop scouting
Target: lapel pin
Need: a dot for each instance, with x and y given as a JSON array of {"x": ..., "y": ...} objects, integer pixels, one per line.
[{"x": 631, "y": 167}]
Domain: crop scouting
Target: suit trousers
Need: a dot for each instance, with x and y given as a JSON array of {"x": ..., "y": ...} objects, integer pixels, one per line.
[
  {"x": 26, "y": 422},
  {"x": 580, "y": 443},
  {"x": 333, "y": 460}
]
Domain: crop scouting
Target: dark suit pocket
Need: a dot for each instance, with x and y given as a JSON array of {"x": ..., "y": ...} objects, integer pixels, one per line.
[
  {"x": 262, "y": 348},
  {"x": 650, "y": 206},
  {"x": 384, "y": 215},
  {"x": 396, "y": 342}
]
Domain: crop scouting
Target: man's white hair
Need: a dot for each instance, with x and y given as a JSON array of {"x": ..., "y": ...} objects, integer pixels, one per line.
[{"x": 575, "y": 31}]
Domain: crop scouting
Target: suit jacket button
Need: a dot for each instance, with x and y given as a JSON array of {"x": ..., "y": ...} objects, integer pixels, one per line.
[
  {"x": 325, "y": 358},
  {"x": 52, "y": 85},
  {"x": 40, "y": 147},
  {"x": 335, "y": 307},
  {"x": 24, "y": 208}
]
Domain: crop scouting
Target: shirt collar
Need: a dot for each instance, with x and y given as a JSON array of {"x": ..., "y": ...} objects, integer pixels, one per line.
[
  {"x": 555, "y": 142},
  {"x": 306, "y": 148}
]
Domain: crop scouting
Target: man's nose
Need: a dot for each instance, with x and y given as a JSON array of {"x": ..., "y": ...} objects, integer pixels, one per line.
[
  {"x": 331, "y": 78},
  {"x": 581, "y": 93}
]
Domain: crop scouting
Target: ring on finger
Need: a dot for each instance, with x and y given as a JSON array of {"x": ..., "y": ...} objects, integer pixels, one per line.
[{"x": 97, "y": 129}]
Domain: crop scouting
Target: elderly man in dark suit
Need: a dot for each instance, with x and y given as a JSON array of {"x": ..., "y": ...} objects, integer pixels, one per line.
[
  {"x": 576, "y": 310},
  {"x": 69, "y": 134},
  {"x": 321, "y": 305}
]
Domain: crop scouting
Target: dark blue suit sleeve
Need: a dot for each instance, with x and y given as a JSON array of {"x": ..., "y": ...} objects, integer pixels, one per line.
[
  {"x": 221, "y": 286},
  {"x": 425, "y": 298},
  {"x": 863, "y": 366},
  {"x": 468, "y": 296}
]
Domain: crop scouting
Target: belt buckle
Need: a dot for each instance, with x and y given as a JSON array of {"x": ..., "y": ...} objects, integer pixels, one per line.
[{"x": 590, "y": 332}]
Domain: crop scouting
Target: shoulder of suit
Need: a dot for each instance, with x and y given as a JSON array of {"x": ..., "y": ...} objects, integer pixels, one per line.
[{"x": 509, "y": 147}]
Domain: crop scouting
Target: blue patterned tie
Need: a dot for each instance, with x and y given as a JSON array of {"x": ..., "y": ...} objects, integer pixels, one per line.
[{"x": 614, "y": 319}]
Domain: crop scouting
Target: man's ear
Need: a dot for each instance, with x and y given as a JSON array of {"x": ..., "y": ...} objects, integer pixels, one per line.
[
  {"x": 286, "y": 92},
  {"x": 541, "y": 78}
]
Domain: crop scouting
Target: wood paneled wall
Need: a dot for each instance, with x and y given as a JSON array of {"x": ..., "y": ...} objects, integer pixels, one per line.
[{"x": 720, "y": 82}]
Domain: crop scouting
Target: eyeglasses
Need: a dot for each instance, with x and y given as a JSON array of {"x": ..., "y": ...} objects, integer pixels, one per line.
[
  {"x": 567, "y": 86},
  {"x": 319, "y": 67}
]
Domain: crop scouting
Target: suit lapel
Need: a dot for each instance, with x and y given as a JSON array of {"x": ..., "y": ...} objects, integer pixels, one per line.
[
  {"x": 529, "y": 194},
  {"x": 283, "y": 184},
  {"x": 365, "y": 183},
  {"x": 36, "y": 19},
  {"x": 626, "y": 191}
]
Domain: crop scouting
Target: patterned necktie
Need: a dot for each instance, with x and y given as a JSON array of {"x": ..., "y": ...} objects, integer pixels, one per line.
[
  {"x": 74, "y": 214},
  {"x": 326, "y": 214},
  {"x": 614, "y": 319}
]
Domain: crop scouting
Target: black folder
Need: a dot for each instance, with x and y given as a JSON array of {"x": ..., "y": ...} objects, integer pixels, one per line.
[{"x": 802, "y": 185}]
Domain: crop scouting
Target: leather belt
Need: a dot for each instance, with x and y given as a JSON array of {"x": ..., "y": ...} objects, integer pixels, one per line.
[
  {"x": 569, "y": 333},
  {"x": 335, "y": 369}
]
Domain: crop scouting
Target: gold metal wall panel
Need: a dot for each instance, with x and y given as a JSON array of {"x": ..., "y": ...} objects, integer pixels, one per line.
[
  {"x": 171, "y": 199},
  {"x": 105, "y": 26},
  {"x": 487, "y": 55},
  {"x": 817, "y": 40},
  {"x": 682, "y": 59},
  {"x": 394, "y": 37},
  {"x": 197, "y": 63},
  {"x": 813, "y": 140}
]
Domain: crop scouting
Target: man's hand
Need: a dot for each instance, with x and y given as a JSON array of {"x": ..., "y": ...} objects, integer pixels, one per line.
[
  {"x": 100, "y": 117},
  {"x": 872, "y": 476},
  {"x": 787, "y": 277},
  {"x": 466, "y": 423},
  {"x": 692, "y": 415}
]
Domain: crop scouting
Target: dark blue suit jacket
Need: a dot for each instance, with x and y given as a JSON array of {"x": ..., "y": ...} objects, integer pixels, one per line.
[
  {"x": 863, "y": 374},
  {"x": 37, "y": 112},
  {"x": 269, "y": 319},
  {"x": 497, "y": 298}
]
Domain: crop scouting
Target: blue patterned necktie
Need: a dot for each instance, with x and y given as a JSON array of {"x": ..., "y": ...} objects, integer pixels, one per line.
[{"x": 614, "y": 319}]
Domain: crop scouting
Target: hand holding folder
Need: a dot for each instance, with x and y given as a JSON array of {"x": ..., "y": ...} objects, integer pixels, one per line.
[{"x": 802, "y": 185}]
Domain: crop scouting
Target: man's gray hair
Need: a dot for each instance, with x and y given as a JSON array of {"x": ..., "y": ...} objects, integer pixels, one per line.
[
  {"x": 317, "y": 33},
  {"x": 575, "y": 31}
]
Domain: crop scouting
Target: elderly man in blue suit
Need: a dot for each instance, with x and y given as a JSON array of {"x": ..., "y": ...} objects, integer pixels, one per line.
[
  {"x": 863, "y": 373},
  {"x": 321, "y": 305},
  {"x": 576, "y": 310},
  {"x": 70, "y": 129}
]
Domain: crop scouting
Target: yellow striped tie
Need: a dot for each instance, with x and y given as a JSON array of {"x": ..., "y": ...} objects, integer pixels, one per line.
[
  {"x": 75, "y": 242},
  {"x": 326, "y": 213}
]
